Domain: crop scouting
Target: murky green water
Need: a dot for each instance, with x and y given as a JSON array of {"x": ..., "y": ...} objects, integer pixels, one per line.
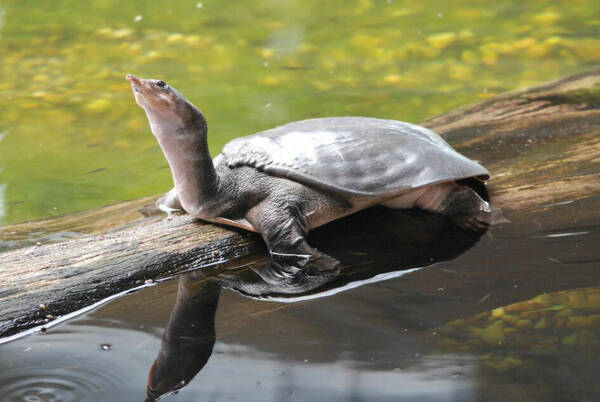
[{"x": 71, "y": 136}]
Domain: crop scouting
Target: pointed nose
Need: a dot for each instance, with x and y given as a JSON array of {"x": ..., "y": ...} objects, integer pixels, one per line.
[{"x": 132, "y": 78}]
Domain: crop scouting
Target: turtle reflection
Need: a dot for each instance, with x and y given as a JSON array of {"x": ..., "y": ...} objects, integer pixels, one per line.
[{"x": 380, "y": 243}]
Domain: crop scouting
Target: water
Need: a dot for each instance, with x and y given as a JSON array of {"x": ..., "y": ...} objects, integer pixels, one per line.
[
  {"x": 71, "y": 136},
  {"x": 515, "y": 313}
]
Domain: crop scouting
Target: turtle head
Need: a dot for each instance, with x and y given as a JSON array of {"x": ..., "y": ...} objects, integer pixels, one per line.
[
  {"x": 181, "y": 131},
  {"x": 163, "y": 104}
]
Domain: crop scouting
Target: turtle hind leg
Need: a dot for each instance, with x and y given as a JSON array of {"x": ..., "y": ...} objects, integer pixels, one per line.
[
  {"x": 466, "y": 208},
  {"x": 285, "y": 230},
  {"x": 169, "y": 202}
]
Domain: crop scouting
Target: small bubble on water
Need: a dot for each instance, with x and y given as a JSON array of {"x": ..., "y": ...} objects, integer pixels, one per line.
[{"x": 105, "y": 346}]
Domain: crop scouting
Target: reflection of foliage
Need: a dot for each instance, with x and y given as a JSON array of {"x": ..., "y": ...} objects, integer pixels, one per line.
[
  {"x": 264, "y": 63},
  {"x": 565, "y": 321},
  {"x": 545, "y": 348}
]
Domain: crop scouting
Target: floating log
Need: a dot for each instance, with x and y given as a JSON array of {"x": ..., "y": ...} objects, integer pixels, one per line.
[{"x": 542, "y": 146}]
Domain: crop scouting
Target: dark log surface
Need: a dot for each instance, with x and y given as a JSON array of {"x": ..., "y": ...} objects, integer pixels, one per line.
[{"x": 542, "y": 145}]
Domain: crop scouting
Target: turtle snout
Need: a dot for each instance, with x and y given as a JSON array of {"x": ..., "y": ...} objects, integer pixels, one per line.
[
  {"x": 132, "y": 78},
  {"x": 136, "y": 83}
]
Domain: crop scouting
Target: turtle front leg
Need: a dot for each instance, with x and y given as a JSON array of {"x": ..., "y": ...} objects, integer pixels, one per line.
[
  {"x": 169, "y": 202},
  {"x": 284, "y": 231}
]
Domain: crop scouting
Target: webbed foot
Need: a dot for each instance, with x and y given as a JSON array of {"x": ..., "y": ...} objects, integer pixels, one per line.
[
  {"x": 296, "y": 266},
  {"x": 299, "y": 273},
  {"x": 291, "y": 256}
]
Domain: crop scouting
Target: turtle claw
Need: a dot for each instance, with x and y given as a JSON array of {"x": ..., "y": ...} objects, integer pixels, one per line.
[
  {"x": 298, "y": 267},
  {"x": 279, "y": 280},
  {"x": 322, "y": 264}
]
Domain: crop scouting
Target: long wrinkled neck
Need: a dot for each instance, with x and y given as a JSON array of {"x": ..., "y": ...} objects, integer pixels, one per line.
[{"x": 186, "y": 149}]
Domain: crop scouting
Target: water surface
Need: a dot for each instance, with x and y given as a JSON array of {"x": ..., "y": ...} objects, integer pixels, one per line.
[
  {"x": 515, "y": 312},
  {"x": 71, "y": 136}
]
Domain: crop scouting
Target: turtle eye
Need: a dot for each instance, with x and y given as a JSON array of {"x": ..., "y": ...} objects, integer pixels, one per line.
[{"x": 161, "y": 84}]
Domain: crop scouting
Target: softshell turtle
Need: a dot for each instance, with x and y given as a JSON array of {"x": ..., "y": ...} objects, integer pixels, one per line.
[{"x": 285, "y": 181}]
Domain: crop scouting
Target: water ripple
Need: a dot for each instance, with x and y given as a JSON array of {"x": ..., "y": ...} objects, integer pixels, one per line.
[{"x": 54, "y": 383}]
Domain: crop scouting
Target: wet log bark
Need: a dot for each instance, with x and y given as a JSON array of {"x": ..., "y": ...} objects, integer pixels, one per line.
[
  {"x": 542, "y": 146},
  {"x": 76, "y": 273}
]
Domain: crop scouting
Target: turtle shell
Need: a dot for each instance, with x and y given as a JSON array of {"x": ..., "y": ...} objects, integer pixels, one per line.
[{"x": 353, "y": 155}]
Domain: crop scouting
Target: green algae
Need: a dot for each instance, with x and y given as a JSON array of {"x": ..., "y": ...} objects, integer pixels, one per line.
[
  {"x": 548, "y": 322},
  {"x": 535, "y": 347},
  {"x": 72, "y": 136}
]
